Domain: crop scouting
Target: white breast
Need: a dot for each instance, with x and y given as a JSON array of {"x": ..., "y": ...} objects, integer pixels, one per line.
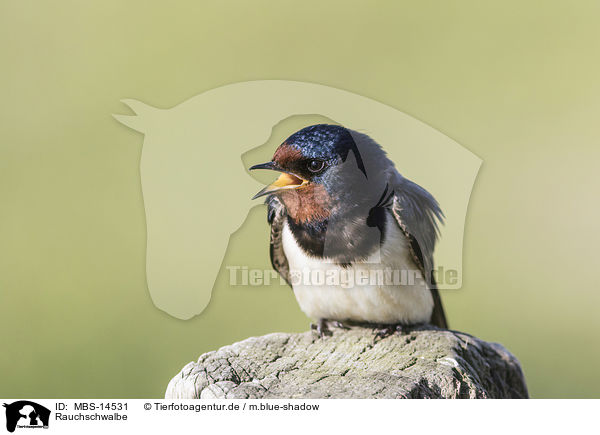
[{"x": 381, "y": 293}]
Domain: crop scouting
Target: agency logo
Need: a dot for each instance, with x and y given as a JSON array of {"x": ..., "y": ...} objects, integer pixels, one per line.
[
  {"x": 26, "y": 414},
  {"x": 197, "y": 189}
]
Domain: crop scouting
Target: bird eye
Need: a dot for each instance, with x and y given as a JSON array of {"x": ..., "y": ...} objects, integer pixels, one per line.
[{"x": 315, "y": 165}]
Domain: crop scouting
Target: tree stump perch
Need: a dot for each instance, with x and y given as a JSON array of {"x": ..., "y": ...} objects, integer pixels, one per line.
[{"x": 419, "y": 362}]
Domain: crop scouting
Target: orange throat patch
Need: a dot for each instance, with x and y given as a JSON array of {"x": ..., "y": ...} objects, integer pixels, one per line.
[{"x": 308, "y": 203}]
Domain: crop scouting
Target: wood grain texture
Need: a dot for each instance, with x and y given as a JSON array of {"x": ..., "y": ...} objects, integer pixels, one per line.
[{"x": 421, "y": 362}]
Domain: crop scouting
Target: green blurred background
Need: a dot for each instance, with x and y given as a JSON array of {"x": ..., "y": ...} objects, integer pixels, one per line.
[{"x": 515, "y": 82}]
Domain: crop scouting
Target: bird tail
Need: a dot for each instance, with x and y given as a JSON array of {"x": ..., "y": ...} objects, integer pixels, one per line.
[{"x": 438, "y": 317}]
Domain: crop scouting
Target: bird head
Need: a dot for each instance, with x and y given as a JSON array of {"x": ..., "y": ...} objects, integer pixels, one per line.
[
  {"x": 322, "y": 166},
  {"x": 312, "y": 155}
]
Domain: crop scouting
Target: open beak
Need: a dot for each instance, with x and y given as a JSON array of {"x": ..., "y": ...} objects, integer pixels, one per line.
[{"x": 285, "y": 180}]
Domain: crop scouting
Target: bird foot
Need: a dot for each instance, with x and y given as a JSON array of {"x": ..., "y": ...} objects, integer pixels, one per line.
[
  {"x": 387, "y": 330},
  {"x": 337, "y": 324},
  {"x": 322, "y": 326}
]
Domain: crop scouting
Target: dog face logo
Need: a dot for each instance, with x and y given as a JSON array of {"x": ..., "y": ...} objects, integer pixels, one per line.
[{"x": 26, "y": 414}]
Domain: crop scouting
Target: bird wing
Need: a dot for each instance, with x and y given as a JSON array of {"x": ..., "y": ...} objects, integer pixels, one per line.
[
  {"x": 417, "y": 213},
  {"x": 276, "y": 217}
]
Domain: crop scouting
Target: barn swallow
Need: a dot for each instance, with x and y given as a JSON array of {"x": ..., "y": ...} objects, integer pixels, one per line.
[{"x": 340, "y": 206}]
